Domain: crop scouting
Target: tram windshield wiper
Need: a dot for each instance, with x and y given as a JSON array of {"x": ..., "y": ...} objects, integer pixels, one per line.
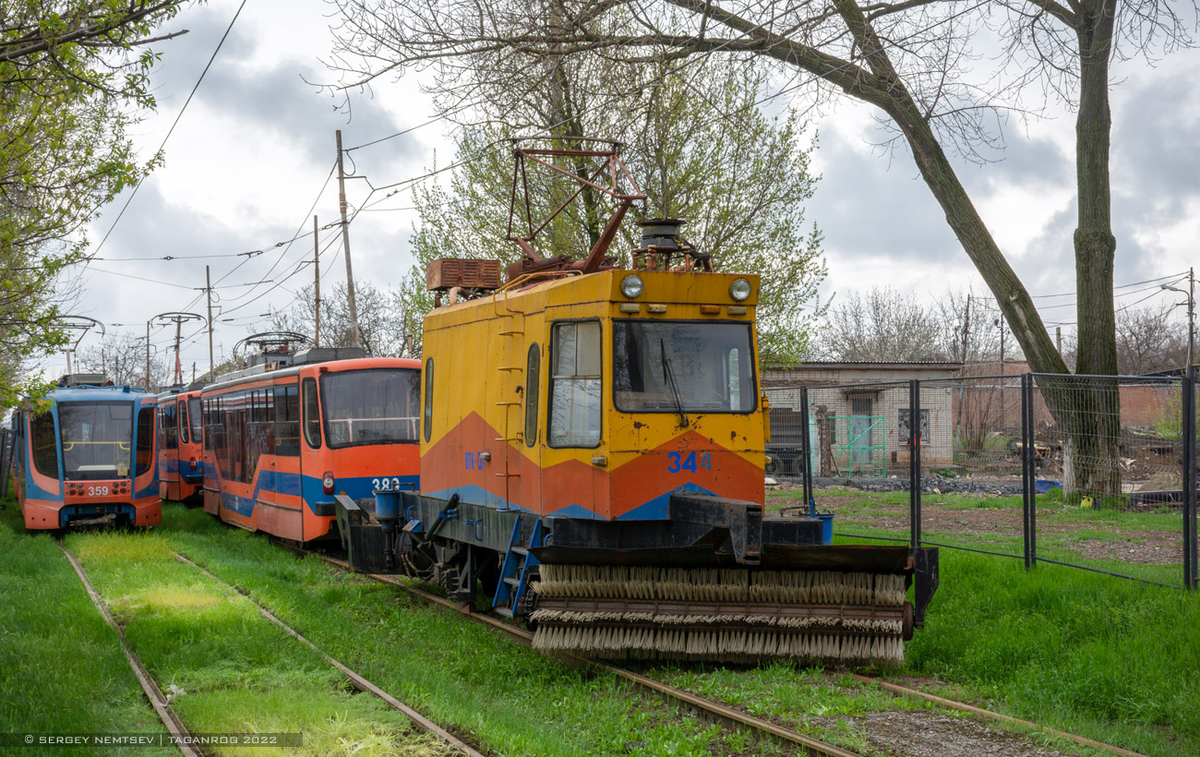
[{"x": 670, "y": 375}]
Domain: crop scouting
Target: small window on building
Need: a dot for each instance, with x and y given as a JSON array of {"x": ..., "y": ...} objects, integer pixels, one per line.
[
  {"x": 428, "y": 410},
  {"x": 312, "y": 414},
  {"x": 905, "y": 424},
  {"x": 532, "y": 377},
  {"x": 575, "y": 385}
]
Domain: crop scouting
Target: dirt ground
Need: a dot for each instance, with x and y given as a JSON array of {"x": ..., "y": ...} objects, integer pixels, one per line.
[
  {"x": 1144, "y": 546},
  {"x": 929, "y": 733}
]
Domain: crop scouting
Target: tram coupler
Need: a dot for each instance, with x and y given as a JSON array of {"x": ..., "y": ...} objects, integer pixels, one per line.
[{"x": 363, "y": 537}]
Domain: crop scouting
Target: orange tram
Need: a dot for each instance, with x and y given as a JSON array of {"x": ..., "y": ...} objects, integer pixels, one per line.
[
  {"x": 279, "y": 445},
  {"x": 180, "y": 446},
  {"x": 87, "y": 458}
]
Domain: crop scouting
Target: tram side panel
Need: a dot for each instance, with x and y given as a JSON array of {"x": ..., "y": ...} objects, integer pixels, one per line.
[{"x": 276, "y": 454}]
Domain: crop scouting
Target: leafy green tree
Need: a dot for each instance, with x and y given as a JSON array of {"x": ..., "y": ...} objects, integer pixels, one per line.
[
  {"x": 740, "y": 182},
  {"x": 73, "y": 76}
]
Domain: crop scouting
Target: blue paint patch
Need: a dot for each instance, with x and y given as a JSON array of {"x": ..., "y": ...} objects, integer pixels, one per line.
[
  {"x": 309, "y": 488},
  {"x": 657, "y": 508},
  {"x": 579, "y": 512},
  {"x": 475, "y": 495}
]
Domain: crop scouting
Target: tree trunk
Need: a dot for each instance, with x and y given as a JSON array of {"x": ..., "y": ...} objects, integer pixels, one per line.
[
  {"x": 888, "y": 93},
  {"x": 1090, "y": 459}
]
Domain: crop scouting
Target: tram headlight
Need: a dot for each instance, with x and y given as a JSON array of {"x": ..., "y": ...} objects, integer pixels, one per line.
[
  {"x": 739, "y": 290},
  {"x": 632, "y": 286},
  {"x": 327, "y": 482}
]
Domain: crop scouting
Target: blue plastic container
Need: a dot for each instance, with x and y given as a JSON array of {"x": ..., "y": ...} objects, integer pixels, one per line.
[{"x": 826, "y": 527}]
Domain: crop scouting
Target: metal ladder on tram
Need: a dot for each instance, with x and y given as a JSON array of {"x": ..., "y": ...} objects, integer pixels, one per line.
[
  {"x": 514, "y": 571},
  {"x": 518, "y": 568},
  {"x": 512, "y": 367}
]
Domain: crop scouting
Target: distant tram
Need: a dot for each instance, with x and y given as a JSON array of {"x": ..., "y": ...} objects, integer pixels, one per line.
[
  {"x": 280, "y": 445},
  {"x": 88, "y": 459},
  {"x": 180, "y": 447}
]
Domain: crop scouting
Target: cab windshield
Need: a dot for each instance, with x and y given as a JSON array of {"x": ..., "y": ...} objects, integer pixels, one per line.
[
  {"x": 96, "y": 439},
  {"x": 683, "y": 366},
  {"x": 376, "y": 406}
]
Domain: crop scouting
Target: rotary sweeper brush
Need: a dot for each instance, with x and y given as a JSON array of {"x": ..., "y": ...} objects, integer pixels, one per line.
[{"x": 731, "y": 614}]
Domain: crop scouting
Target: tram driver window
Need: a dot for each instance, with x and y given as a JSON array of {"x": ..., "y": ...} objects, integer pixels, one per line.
[
  {"x": 145, "y": 440},
  {"x": 575, "y": 384},
  {"x": 312, "y": 414}
]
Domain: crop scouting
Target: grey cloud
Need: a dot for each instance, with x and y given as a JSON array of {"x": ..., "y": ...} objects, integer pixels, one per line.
[
  {"x": 276, "y": 98},
  {"x": 867, "y": 209}
]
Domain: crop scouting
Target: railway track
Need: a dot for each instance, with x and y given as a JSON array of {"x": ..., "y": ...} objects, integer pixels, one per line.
[
  {"x": 359, "y": 682},
  {"x": 162, "y": 705},
  {"x": 715, "y": 710},
  {"x": 707, "y": 708}
]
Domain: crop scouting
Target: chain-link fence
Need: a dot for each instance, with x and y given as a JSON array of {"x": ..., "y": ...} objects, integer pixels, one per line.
[{"x": 1086, "y": 471}]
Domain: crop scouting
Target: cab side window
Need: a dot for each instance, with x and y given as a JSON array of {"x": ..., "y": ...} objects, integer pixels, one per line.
[
  {"x": 428, "y": 411},
  {"x": 532, "y": 376},
  {"x": 575, "y": 385},
  {"x": 312, "y": 413}
]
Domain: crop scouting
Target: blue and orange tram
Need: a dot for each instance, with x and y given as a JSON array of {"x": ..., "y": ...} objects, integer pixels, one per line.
[
  {"x": 280, "y": 445},
  {"x": 180, "y": 448},
  {"x": 87, "y": 457}
]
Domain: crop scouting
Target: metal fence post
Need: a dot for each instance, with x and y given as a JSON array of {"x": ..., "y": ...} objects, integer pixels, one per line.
[
  {"x": 1028, "y": 472},
  {"x": 806, "y": 472},
  {"x": 1190, "y": 548},
  {"x": 914, "y": 458}
]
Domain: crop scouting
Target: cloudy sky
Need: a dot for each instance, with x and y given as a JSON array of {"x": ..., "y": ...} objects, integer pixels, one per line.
[{"x": 254, "y": 150}]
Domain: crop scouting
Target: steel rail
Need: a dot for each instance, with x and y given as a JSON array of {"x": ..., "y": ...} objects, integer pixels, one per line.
[
  {"x": 726, "y": 715},
  {"x": 162, "y": 706},
  {"x": 962, "y": 707},
  {"x": 359, "y": 682}
]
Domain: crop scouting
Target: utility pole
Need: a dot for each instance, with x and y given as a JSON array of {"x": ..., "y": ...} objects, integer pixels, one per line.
[
  {"x": 346, "y": 243},
  {"x": 178, "y": 367},
  {"x": 212, "y": 369},
  {"x": 966, "y": 329},
  {"x": 316, "y": 285},
  {"x": 148, "y": 355},
  {"x": 1000, "y": 323},
  {"x": 1191, "y": 316},
  {"x": 1058, "y": 338},
  {"x": 178, "y": 318}
]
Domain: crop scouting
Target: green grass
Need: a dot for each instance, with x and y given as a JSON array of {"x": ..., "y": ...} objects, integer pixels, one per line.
[
  {"x": 1113, "y": 660},
  {"x": 61, "y": 665},
  {"x": 456, "y": 672}
]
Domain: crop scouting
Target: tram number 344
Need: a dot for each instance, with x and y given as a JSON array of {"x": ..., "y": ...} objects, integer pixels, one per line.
[{"x": 690, "y": 461}]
